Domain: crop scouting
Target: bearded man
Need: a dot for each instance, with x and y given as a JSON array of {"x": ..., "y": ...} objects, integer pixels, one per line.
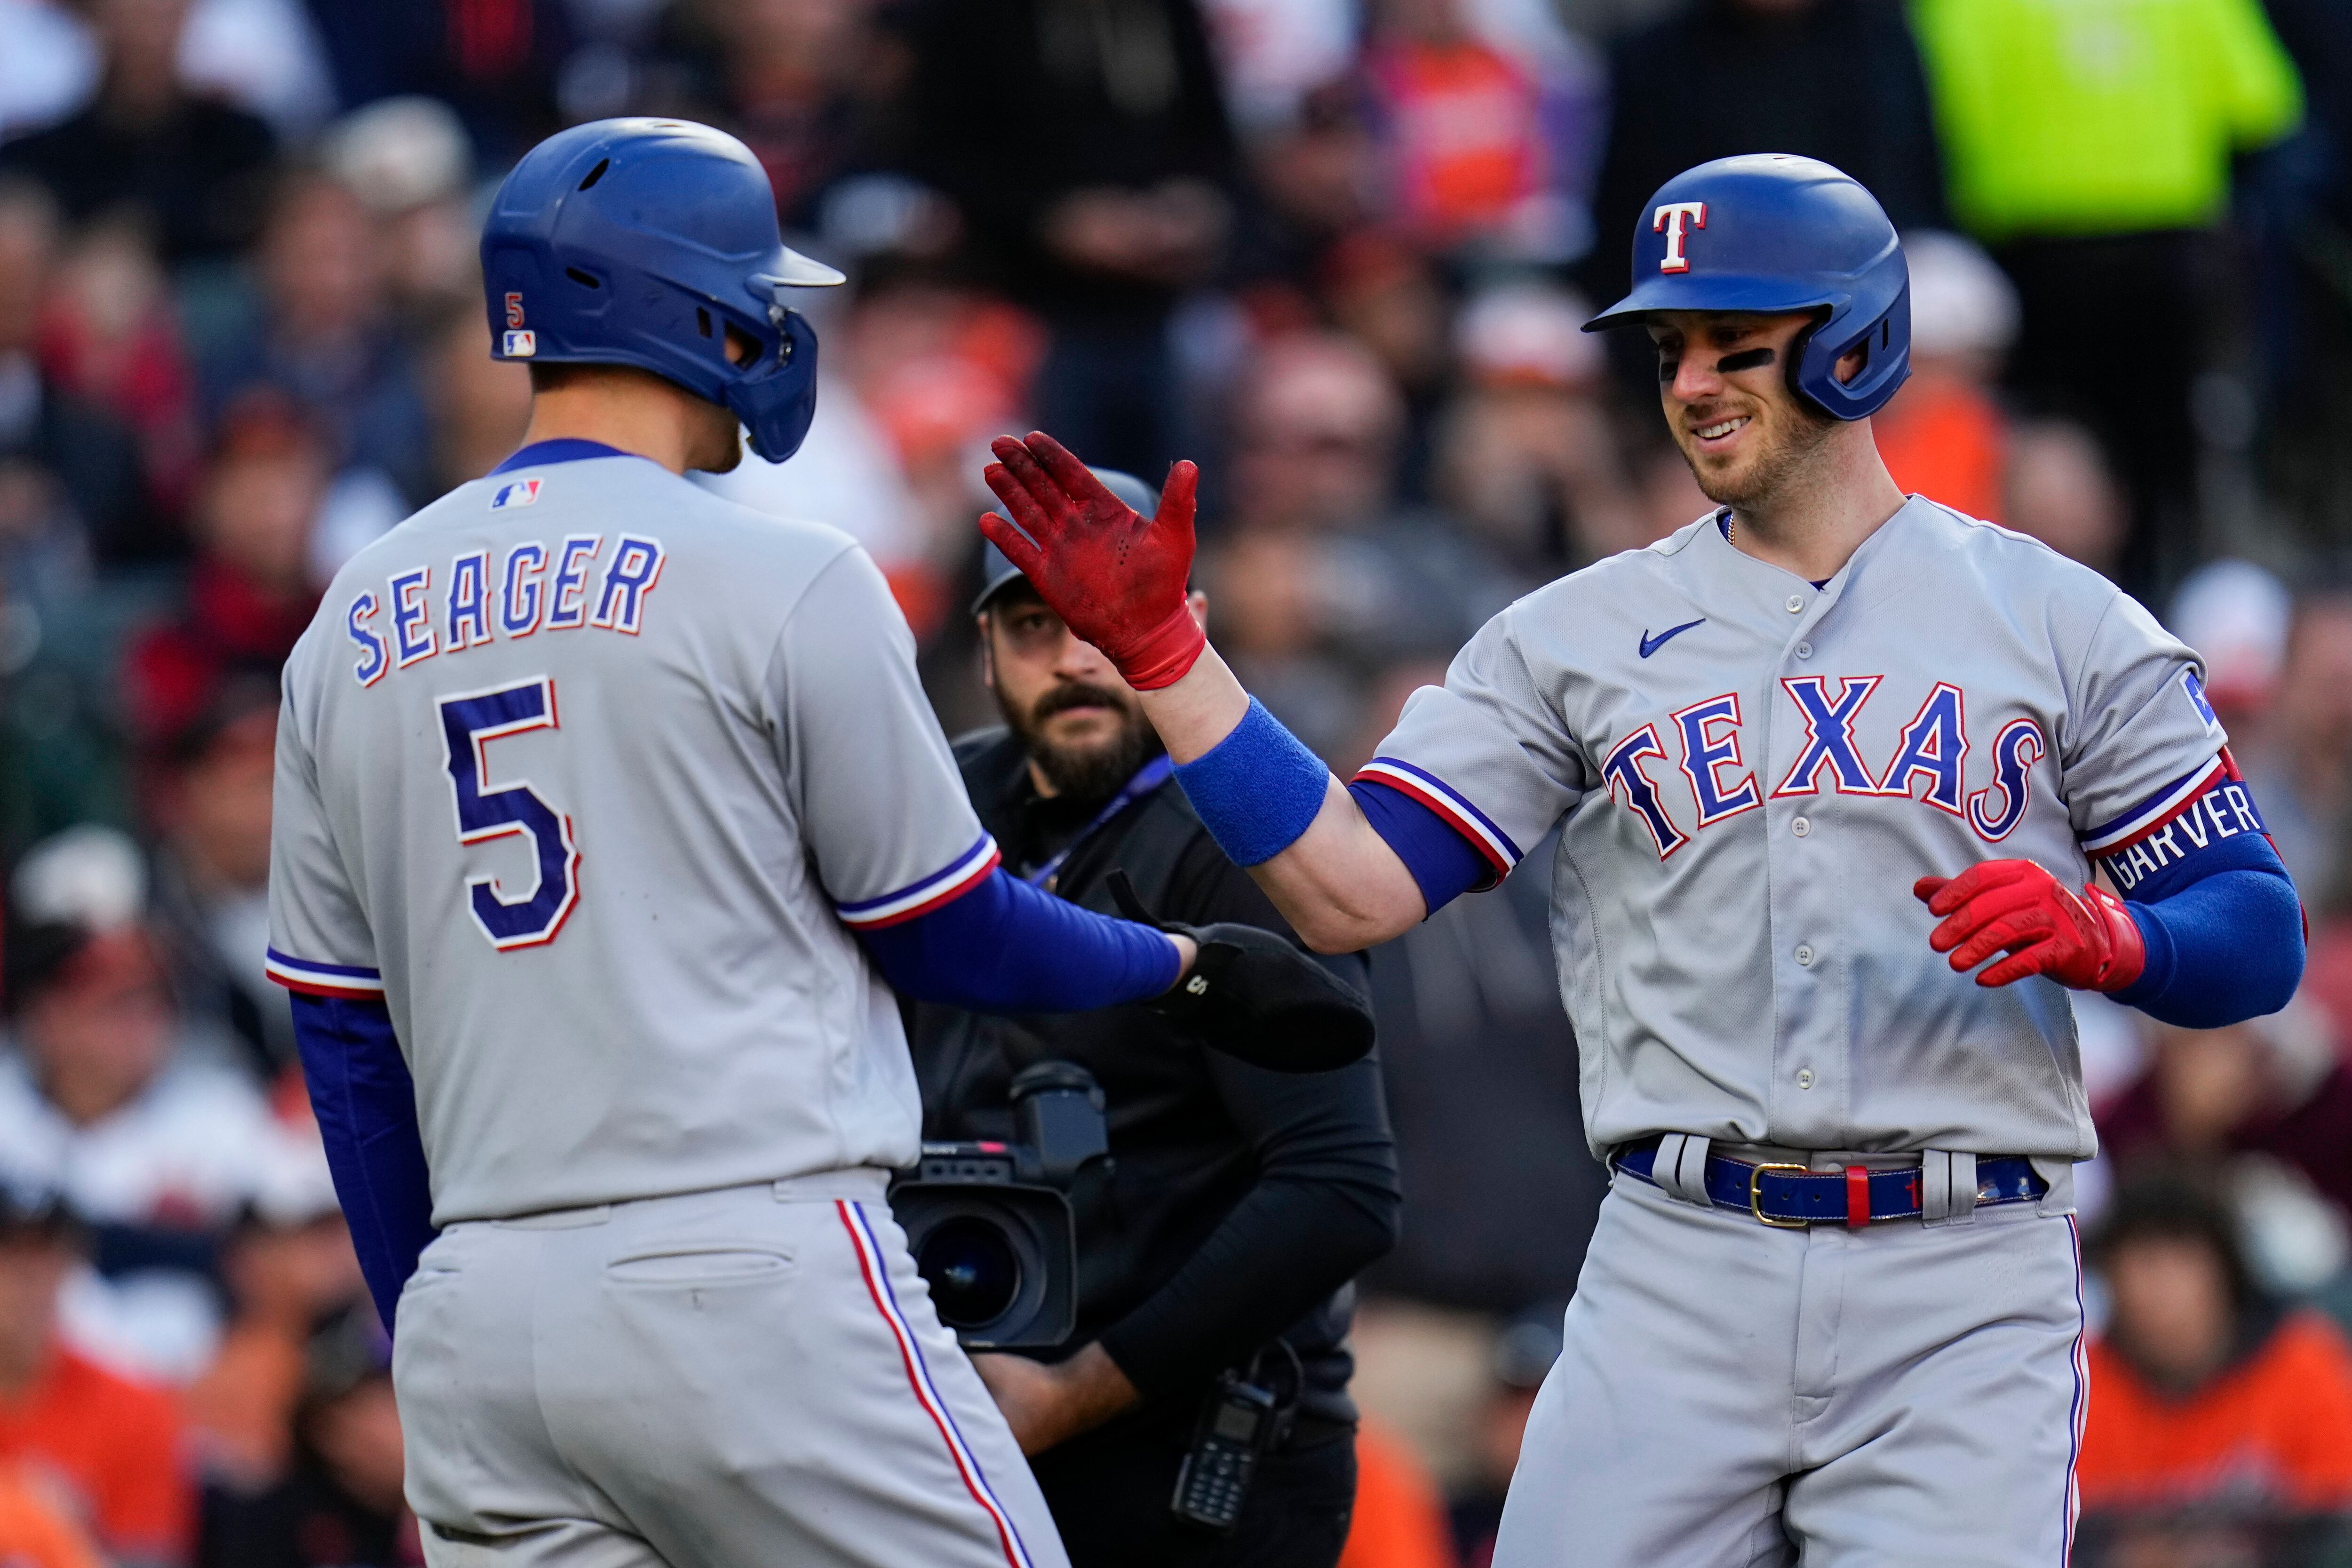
[{"x": 1237, "y": 1205}]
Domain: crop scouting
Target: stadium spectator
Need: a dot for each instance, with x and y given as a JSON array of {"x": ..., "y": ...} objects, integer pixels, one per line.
[
  {"x": 287, "y": 1267},
  {"x": 2205, "y": 1394},
  {"x": 210, "y": 810},
  {"x": 318, "y": 331},
  {"x": 409, "y": 163},
  {"x": 191, "y": 167},
  {"x": 2092, "y": 150},
  {"x": 1486, "y": 150},
  {"x": 2300, "y": 759},
  {"x": 69, "y": 473},
  {"x": 97, "y": 1098},
  {"x": 2056, "y": 486},
  {"x": 110, "y": 338},
  {"x": 1835, "y": 79},
  {"x": 2236, "y": 615},
  {"x": 1527, "y": 457},
  {"x": 802, "y": 82},
  {"x": 249, "y": 592},
  {"x": 1089, "y": 150},
  {"x": 339, "y": 1505},
  {"x": 108, "y": 1446},
  {"x": 1324, "y": 577},
  {"x": 2275, "y": 1086},
  {"x": 1945, "y": 435}
]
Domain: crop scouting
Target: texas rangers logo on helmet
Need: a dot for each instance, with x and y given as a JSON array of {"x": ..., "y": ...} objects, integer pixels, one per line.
[{"x": 1670, "y": 220}]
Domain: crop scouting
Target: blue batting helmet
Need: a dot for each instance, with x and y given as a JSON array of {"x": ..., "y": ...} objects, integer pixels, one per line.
[
  {"x": 1771, "y": 233},
  {"x": 641, "y": 242}
]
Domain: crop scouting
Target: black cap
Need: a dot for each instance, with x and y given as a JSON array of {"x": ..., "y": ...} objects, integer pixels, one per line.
[{"x": 995, "y": 570}]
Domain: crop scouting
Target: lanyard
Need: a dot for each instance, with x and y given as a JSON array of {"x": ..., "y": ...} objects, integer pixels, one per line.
[{"x": 1148, "y": 777}]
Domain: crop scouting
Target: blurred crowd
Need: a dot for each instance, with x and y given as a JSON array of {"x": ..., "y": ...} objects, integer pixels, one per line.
[{"x": 1337, "y": 251}]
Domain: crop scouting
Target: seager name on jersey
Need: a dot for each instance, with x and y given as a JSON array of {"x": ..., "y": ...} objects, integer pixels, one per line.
[{"x": 534, "y": 587}]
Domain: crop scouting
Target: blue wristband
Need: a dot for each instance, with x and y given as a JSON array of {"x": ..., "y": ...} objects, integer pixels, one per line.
[{"x": 1257, "y": 789}]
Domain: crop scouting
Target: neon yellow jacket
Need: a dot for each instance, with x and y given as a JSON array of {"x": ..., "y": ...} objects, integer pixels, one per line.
[{"x": 2090, "y": 117}]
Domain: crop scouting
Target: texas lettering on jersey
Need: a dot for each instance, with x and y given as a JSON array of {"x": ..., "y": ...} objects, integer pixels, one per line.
[
  {"x": 532, "y": 586},
  {"x": 1927, "y": 764}
]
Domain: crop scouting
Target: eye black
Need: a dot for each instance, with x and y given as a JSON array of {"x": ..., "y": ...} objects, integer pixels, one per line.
[
  {"x": 1746, "y": 359},
  {"x": 1667, "y": 370}
]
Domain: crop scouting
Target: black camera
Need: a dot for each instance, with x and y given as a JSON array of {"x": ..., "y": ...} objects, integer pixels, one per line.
[{"x": 991, "y": 1224}]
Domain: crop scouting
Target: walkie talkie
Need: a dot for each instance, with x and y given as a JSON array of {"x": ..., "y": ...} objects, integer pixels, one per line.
[{"x": 1237, "y": 1426}]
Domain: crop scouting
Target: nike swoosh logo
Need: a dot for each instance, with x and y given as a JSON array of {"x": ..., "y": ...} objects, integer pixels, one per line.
[{"x": 1651, "y": 645}]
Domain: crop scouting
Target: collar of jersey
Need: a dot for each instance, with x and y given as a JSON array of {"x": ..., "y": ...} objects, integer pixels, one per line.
[
  {"x": 1722, "y": 524},
  {"x": 563, "y": 449}
]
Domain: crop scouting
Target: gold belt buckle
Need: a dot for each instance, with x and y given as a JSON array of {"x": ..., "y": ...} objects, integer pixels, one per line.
[{"x": 1756, "y": 1195}]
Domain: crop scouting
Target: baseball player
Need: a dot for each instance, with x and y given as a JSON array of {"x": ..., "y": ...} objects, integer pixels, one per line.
[
  {"x": 1832, "y": 767},
  {"x": 605, "y": 808}
]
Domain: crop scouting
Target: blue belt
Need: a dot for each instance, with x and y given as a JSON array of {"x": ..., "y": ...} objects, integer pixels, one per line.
[{"x": 1794, "y": 1197}]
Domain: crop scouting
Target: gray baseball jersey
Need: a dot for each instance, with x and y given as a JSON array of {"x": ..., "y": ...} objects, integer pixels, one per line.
[
  {"x": 589, "y": 773},
  {"x": 1750, "y": 771}
]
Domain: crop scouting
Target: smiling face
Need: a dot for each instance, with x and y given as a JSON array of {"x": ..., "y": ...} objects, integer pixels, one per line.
[{"x": 1723, "y": 378}]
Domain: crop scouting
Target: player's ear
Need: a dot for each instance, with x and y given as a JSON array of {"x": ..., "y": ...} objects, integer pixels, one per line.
[{"x": 1198, "y": 602}]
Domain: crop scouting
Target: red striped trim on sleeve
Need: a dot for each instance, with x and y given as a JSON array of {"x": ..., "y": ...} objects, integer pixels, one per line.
[
  {"x": 350, "y": 981},
  {"x": 967, "y": 871}
]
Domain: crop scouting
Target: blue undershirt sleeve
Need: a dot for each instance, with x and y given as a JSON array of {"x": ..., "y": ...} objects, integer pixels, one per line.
[
  {"x": 366, "y": 1105},
  {"x": 2222, "y": 923},
  {"x": 1008, "y": 947},
  {"x": 1444, "y": 863}
]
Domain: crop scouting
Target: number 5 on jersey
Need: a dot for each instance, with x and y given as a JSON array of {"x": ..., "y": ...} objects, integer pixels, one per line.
[{"x": 470, "y": 721}]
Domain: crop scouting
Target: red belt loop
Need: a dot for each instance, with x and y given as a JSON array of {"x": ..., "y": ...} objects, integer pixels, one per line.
[{"x": 1857, "y": 1196}]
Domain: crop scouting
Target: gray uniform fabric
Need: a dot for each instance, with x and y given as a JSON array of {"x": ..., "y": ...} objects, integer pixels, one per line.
[
  {"x": 590, "y": 774},
  {"x": 1748, "y": 773},
  {"x": 1729, "y": 1396},
  {"x": 755, "y": 752},
  {"x": 1753, "y": 968},
  {"x": 729, "y": 1377}
]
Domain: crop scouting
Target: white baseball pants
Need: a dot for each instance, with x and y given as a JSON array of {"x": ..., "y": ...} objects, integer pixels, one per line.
[
  {"x": 722, "y": 1379},
  {"x": 1734, "y": 1396}
]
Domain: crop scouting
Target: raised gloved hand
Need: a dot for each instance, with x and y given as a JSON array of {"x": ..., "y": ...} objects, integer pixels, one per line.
[
  {"x": 2086, "y": 941},
  {"x": 1258, "y": 996},
  {"x": 1116, "y": 577}
]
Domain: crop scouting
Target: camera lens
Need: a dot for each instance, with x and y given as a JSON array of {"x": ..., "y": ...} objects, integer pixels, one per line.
[{"x": 973, "y": 1272}]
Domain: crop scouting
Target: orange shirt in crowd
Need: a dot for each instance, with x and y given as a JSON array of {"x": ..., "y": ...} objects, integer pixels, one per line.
[
  {"x": 1466, "y": 135},
  {"x": 1400, "y": 1519},
  {"x": 1944, "y": 438},
  {"x": 2278, "y": 1424},
  {"x": 113, "y": 1446},
  {"x": 33, "y": 1534}
]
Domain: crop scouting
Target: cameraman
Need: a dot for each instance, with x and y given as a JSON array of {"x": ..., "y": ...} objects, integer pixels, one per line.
[{"x": 1239, "y": 1203}]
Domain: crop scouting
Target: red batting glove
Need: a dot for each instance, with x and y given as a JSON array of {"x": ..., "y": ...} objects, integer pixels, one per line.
[
  {"x": 2086, "y": 941},
  {"x": 1114, "y": 576}
]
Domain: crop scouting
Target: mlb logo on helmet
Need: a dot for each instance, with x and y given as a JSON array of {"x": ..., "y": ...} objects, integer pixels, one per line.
[
  {"x": 521, "y": 492},
  {"x": 521, "y": 344}
]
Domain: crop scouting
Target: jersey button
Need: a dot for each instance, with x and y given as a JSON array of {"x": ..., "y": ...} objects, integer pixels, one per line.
[
  {"x": 1805, "y": 651},
  {"x": 1804, "y": 958},
  {"x": 1800, "y": 827},
  {"x": 1796, "y": 604},
  {"x": 1804, "y": 1078}
]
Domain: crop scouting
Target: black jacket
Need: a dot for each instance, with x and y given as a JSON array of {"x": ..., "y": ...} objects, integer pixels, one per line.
[{"x": 1240, "y": 1203}]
